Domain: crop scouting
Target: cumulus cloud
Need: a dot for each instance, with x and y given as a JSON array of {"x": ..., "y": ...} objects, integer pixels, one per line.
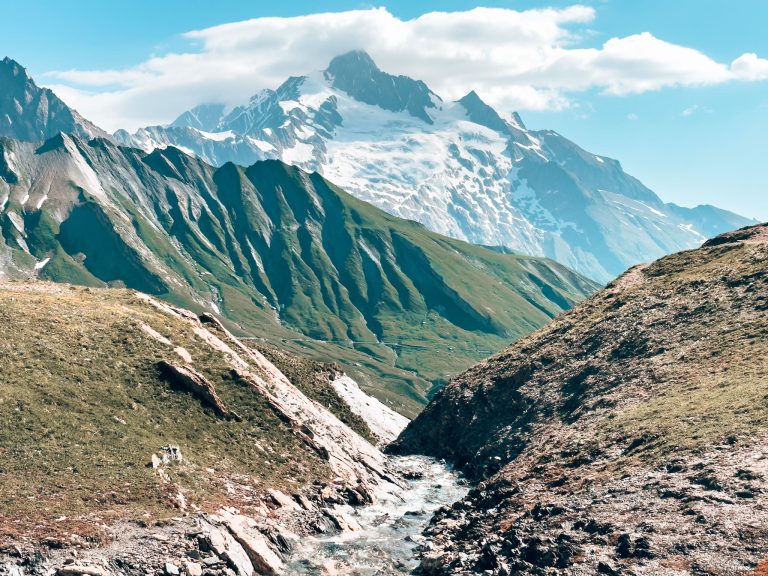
[
  {"x": 524, "y": 60},
  {"x": 750, "y": 67}
]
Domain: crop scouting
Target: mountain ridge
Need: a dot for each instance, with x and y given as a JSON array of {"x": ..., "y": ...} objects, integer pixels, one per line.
[
  {"x": 282, "y": 254},
  {"x": 460, "y": 168},
  {"x": 28, "y": 112}
]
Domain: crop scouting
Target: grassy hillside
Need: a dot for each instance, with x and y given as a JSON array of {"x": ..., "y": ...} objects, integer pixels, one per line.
[
  {"x": 628, "y": 433},
  {"x": 84, "y": 405},
  {"x": 283, "y": 255}
]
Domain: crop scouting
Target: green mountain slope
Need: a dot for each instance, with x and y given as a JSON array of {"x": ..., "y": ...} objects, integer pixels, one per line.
[{"x": 284, "y": 255}]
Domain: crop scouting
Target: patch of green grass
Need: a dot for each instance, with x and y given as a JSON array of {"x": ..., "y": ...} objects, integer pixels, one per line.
[{"x": 704, "y": 402}]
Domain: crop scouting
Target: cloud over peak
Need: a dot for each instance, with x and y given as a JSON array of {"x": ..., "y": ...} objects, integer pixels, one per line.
[{"x": 524, "y": 60}]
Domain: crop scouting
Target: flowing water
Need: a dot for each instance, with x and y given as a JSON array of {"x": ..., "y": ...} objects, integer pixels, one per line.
[{"x": 390, "y": 530}]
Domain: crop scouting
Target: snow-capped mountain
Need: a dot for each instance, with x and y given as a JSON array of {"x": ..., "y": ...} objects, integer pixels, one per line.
[
  {"x": 460, "y": 168},
  {"x": 28, "y": 112}
]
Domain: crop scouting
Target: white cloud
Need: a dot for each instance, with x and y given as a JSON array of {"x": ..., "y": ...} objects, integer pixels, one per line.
[
  {"x": 629, "y": 65},
  {"x": 525, "y": 60},
  {"x": 690, "y": 111},
  {"x": 695, "y": 109},
  {"x": 633, "y": 117},
  {"x": 750, "y": 67}
]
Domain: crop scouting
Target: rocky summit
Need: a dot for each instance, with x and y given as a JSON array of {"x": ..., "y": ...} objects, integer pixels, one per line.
[
  {"x": 28, "y": 112},
  {"x": 626, "y": 437}
]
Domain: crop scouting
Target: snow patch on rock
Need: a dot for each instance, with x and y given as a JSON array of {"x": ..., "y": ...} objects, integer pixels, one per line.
[{"x": 384, "y": 422}]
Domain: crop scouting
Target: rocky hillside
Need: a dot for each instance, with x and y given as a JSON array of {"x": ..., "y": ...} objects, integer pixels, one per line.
[
  {"x": 28, "y": 112},
  {"x": 284, "y": 255},
  {"x": 460, "y": 168},
  {"x": 124, "y": 420},
  {"x": 626, "y": 437}
]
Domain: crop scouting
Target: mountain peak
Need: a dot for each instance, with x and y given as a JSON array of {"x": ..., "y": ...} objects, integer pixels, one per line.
[
  {"x": 28, "y": 112},
  {"x": 7, "y": 60},
  {"x": 354, "y": 59},
  {"x": 481, "y": 113},
  {"x": 471, "y": 97},
  {"x": 9, "y": 68},
  {"x": 203, "y": 117},
  {"x": 357, "y": 74}
]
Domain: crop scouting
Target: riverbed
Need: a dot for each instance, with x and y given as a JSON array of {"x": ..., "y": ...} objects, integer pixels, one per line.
[{"x": 389, "y": 530}]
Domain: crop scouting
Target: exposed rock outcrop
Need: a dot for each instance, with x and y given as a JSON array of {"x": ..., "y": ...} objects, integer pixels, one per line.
[
  {"x": 350, "y": 456},
  {"x": 265, "y": 560},
  {"x": 194, "y": 382},
  {"x": 384, "y": 422}
]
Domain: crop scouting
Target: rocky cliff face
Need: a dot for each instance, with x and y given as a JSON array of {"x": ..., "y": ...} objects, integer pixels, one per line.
[
  {"x": 136, "y": 434},
  {"x": 626, "y": 437},
  {"x": 460, "y": 168},
  {"x": 28, "y": 112},
  {"x": 285, "y": 254}
]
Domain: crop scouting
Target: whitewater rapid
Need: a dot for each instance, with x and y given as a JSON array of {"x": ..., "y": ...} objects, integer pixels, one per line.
[{"x": 390, "y": 530}]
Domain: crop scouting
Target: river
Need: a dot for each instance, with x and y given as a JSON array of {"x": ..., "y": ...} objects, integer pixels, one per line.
[{"x": 390, "y": 530}]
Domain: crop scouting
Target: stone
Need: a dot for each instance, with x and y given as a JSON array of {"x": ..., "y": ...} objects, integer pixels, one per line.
[
  {"x": 183, "y": 354},
  {"x": 328, "y": 494},
  {"x": 340, "y": 521},
  {"x": 432, "y": 564},
  {"x": 82, "y": 570},
  {"x": 264, "y": 559},
  {"x": 171, "y": 569},
  {"x": 607, "y": 569},
  {"x": 283, "y": 500},
  {"x": 11, "y": 570},
  {"x": 303, "y": 501},
  {"x": 193, "y": 569},
  {"x": 187, "y": 379},
  {"x": 225, "y": 546},
  {"x": 169, "y": 453}
]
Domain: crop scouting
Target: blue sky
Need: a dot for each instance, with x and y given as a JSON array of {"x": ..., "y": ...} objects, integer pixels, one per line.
[{"x": 690, "y": 143}]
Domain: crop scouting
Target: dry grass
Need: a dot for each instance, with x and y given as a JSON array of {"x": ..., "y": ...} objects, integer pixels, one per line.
[{"x": 702, "y": 404}]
